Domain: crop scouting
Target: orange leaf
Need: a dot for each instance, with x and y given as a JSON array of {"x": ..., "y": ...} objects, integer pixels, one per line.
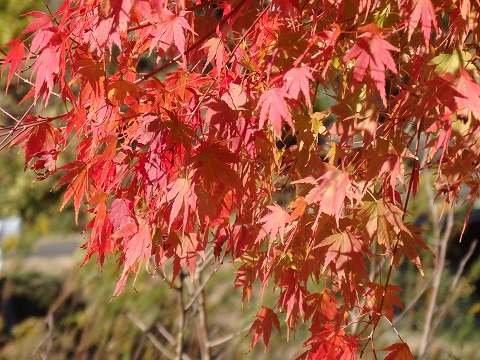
[
  {"x": 399, "y": 351},
  {"x": 372, "y": 52},
  {"x": 263, "y": 326}
]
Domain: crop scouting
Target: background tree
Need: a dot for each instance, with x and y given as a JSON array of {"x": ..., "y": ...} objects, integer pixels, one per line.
[{"x": 189, "y": 121}]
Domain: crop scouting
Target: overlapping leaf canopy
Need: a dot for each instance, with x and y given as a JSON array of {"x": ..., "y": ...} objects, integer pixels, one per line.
[{"x": 189, "y": 152}]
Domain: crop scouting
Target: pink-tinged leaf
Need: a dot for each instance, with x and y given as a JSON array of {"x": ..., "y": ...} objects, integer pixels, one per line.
[
  {"x": 274, "y": 223},
  {"x": 170, "y": 30},
  {"x": 296, "y": 80},
  {"x": 467, "y": 92},
  {"x": 216, "y": 51},
  {"x": 120, "y": 213},
  {"x": 423, "y": 12},
  {"x": 41, "y": 21},
  {"x": 372, "y": 52},
  {"x": 263, "y": 326},
  {"x": 14, "y": 58},
  {"x": 274, "y": 106},
  {"x": 138, "y": 245},
  {"x": 399, "y": 351},
  {"x": 119, "y": 10},
  {"x": 46, "y": 67},
  {"x": 235, "y": 97},
  {"x": 185, "y": 249},
  {"x": 182, "y": 194},
  {"x": 330, "y": 192}
]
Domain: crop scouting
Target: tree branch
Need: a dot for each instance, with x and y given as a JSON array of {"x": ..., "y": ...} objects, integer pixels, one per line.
[{"x": 150, "y": 336}]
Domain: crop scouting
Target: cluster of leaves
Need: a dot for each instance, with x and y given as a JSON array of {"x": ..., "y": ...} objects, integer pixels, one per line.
[{"x": 185, "y": 155}]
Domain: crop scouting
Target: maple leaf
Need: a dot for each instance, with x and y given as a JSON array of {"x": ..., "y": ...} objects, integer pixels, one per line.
[
  {"x": 41, "y": 21},
  {"x": 235, "y": 97},
  {"x": 372, "y": 52},
  {"x": 329, "y": 192},
  {"x": 214, "y": 168},
  {"x": 76, "y": 178},
  {"x": 322, "y": 306},
  {"x": 14, "y": 58},
  {"x": 292, "y": 297},
  {"x": 466, "y": 92},
  {"x": 184, "y": 248},
  {"x": 171, "y": 30},
  {"x": 273, "y": 104},
  {"x": 216, "y": 51},
  {"x": 38, "y": 139},
  {"x": 332, "y": 343},
  {"x": 424, "y": 12},
  {"x": 388, "y": 298},
  {"x": 296, "y": 80},
  {"x": 120, "y": 213},
  {"x": 119, "y": 10},
  {"x": 298, "y": 205},
  {"x": 262, "y": 326},
  {"x": 409, "y": 242},
  {"x": 341, "y": 247},
  {"x": 182, "y": 194},
  {"x": 138, "y": 244},
  {"x": 382, "y": 219},
  {"x": 399, "y": 351},
  {"x": 274, "y": 223},
  {"x": 46, "y": 68}
]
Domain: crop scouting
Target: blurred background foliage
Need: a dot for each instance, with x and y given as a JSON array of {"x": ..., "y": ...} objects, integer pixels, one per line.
[{"x": 72, "y": 314}]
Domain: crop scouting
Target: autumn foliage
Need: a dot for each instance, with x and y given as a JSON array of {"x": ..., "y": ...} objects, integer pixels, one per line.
[{"x": 189, "y": 122}]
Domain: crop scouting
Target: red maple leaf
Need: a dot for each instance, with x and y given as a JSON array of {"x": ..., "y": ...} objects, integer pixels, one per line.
[
  {"x": 76, "y": 179},
  {"x": 14, "y": 58},
  {"x": 46, "y": 68},
  {"x": 467, "y": 92},
  {"x": 424, "y": 12},
  {"x": 137, "y": 244},
  {"x": 372, "y": 52},
  {"x": 399, "y": 351},
  {"x": 332, "y": 343},
  {"x": 182, "y": 194},
  {"x": 216, "y": 51},
  {"x": 185, "y": 249},
  {"x": 329, "y": 192},
  {"x": 296, "y": 80},
  {"x": 171, "y": 30},
  {"x": 119, "y": 10},
  {"x": 273, "y": 105},
  {"x": 266, "y": 318},
  {"x": 387, "y": 299},
  {"x": 382, "y": 219},
  {"x": 41, "y": 21}
]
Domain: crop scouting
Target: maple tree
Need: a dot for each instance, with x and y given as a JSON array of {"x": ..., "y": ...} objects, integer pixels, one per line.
[{"x": 187, "y": 120}]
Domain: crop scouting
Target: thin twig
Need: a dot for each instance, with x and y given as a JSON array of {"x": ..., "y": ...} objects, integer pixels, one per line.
[
  {"x": 201, "y": 323},
  {"x": 198, "y": 291},
  {"x": 166, "y": 334},
  {"x": 228, "y": 337},
  {"x": 151, "y": 336},
  {"x": 439, "y": 267},
  {"x": 453, "y": 285},
  {"x": 181, "y": 317}
]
